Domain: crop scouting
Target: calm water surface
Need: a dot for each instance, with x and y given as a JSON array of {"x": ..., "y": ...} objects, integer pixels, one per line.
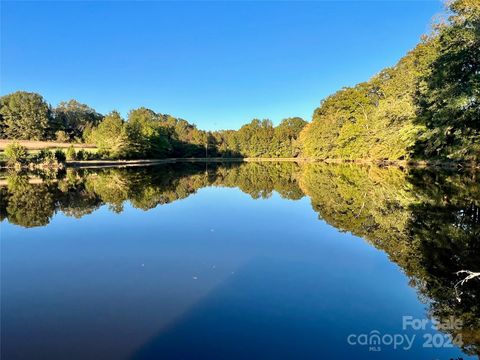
[{"x": 257, "y": 260}]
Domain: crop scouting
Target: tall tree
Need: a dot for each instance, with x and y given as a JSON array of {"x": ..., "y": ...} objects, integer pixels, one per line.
[
  {"x": 111, "y": 136},
  {"x": 75, "y": 118},
  {"x": 285, "y": 138},
  {"x": 24, "y": 115},
  {"x": 147, "y": 135},
  {"x": 449, "y": 94},
  {"x": 374, "y": 119}
]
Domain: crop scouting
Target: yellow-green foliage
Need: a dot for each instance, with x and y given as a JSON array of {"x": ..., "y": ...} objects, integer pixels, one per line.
[
  {"x": 374, "y": 119},
  {"x": 260, "y": 139},
  {"x": 427, "y": 106},
  {"x": 366, "y": 200},
  {"x": 15, "y": 153},
  {"x": 259, "y": 180}
]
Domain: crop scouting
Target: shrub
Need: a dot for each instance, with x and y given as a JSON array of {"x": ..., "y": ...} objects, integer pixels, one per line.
[
  {"x": 104, "y": 154},
  {"x": 70, "y": 154},
  {"x": 61, "y": 136},
  {"x": 45, "y": 156},
  {"x": 60, "y": 155},
  {"x": 90, "y": 156},
  {"x": 16, "y": 153},
  {"x": 48, "y": 158},
  {"x": 81, "y": 155}
]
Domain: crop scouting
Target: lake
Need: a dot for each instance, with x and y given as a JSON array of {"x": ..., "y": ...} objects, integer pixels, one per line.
[{"x": 240, "y": 260}]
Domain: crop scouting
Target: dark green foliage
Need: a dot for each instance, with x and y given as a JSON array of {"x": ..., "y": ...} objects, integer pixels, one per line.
[
  {"x": 60, "y": 156},
  {"x": 147, "y": 137},
  {"x": 147, "y": 134},
  {"x": 45, "y": 154},
  {"x": 449, "y": 93},
  {"x": 48, "y": 158},
  {"x": 186, "y": 140},
  {"x": 24, "y": 116},
  {"x": 28, "y": 204},
  {"x": 80, "y": 155},
  {"x": 445, "y": 224},
  {"x": 75, "y": 119}
]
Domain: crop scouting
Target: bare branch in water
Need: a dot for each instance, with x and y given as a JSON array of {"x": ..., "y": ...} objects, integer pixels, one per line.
[{"x": 469, "y": 276}]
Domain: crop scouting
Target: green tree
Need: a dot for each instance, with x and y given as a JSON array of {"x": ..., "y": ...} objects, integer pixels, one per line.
[
  {"x": 75, "y": 118},
  {"x": 449, "y": 94},
  {"x": 372, "y": 120},
  {"x": 255, "y": 139},
  {"x": 147, "y": 136},
  {"x": 285, "y": 142},
  {"x": 111, "y": 136},
  {"x": 28, "y": 205},
  {"x": 16, "y": 153},
  {"x": 70, "y": 154},
  {"x": 24, "y": 116}
]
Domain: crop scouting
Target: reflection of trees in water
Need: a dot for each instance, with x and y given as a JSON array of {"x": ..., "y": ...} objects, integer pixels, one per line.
[
  {"x": 446, "y": 227},
  {"x": 427, "y": 222},
  {"x": 80, "y": 192},
  {"x": 367, "y": 201},
  {"x": 73, "y": 198},
  {"x": 27, "y": 204},
  {"x": 260, "y": 180}
]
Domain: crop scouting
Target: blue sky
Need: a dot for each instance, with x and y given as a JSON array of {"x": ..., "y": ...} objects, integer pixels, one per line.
[{"x": 217, "y": 64}]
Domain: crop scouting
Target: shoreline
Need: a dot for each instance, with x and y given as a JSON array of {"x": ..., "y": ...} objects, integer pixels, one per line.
[
  {"x": 398, "y": 163},
  {"x": 381, "y": 163}
]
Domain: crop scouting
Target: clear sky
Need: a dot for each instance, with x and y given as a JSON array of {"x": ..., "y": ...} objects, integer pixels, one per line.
[{"x": 217, "y": 64}]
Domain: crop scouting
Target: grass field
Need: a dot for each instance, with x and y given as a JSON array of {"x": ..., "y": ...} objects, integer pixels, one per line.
[
  {"x": 39, "y": 145},
  {"x": 34, "y": 147}
]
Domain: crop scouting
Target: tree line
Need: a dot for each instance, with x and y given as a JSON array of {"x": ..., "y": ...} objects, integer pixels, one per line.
[
  {"x": 427, "y": 106},
  {"x": 144, "y": 134}
]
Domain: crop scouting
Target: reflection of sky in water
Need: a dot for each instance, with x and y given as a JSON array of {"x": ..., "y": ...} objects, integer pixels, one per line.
[{"x": 217, "y": 273}]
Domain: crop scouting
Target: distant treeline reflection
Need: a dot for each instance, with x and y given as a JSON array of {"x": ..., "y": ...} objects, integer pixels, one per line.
[{"x": 427, "y": 222}]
